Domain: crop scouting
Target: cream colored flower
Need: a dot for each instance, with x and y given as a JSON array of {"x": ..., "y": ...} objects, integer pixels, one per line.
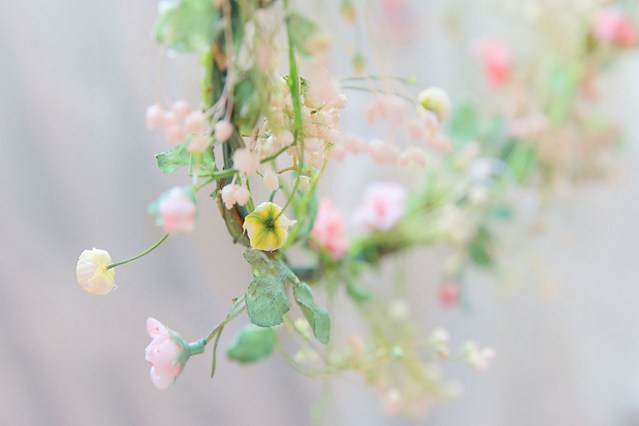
[
  {"x": 92, "y": 274},
  {"x": 267, "y": 229},
  {"x": 436, "y": 100}
]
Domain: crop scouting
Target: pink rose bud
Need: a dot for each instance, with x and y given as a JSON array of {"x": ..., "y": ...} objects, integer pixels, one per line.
[
  {"x": 167, "y": 353},
  {"x": 496, "y": 59},
  {"x": 177, "y": 210},
  {"x": 448, "y": 294},
  {"x": 382, "y": 208},
  {"x": 223, "y": 130},
  {"x": 612, "y": 26},
  {"x": 154, "y": 117},
  {"x": 329, "y": 229}
]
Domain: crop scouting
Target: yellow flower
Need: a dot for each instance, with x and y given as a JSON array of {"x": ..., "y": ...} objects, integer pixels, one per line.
[
  {"x": 267, "y": 229},
  {"x": 92, "y": 274}
]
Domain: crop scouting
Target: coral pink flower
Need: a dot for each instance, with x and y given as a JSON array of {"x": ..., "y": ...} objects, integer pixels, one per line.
[
  {"x": 497, "y": 60},
  {"x": 164, "y": 354},
  {"x": 167, "y": 353},
  {"x": 612, "y": 26},
  {"x": 329, "y": 229},
  {"x": 382, "y": 208},
  {"x": 448, "y": 294},
  {"x": 177, "y": 211}
]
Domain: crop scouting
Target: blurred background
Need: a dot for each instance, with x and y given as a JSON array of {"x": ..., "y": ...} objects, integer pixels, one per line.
[{"x": 78, "y": 171}]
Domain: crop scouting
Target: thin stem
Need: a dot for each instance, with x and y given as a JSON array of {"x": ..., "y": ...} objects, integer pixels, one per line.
[
  {"x": 144, "y": 253},
  {"x": 234, "y": 312},
  {"x": 366, "y": 89},
  {"x": 405, "y": 80}
]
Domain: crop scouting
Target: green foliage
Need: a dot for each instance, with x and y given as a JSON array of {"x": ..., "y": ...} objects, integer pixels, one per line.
[
  {"x": 251, "y": 344},
  {"x": 261, "y": 264},
  {"x": 187, "y": 25},
  {"x": 266, "y": 301},
  {"x": 357, "y": 292},
  {"x": 521, "y": 158},
  {"x": 463, "y": 124},
  {"x": 171, "y": 160},
  {"x": 248, "y": 103},
  {"x": 301, "y": 30},
  {"x": 480, "y": 248},
  {"x": 317, "y": 317}
]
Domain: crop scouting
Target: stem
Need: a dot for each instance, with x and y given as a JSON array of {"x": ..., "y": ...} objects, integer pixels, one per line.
[
  {"x": 144, "y": 253},
  {"x": 369, "y": 90},
  {"x": 228, "y": 318}
]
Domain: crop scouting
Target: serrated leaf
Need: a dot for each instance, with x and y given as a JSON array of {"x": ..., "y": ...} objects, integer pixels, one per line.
[
  {"x": 266, "y": 301},
  {"x": 261, "y": 264},
  {"x": 171, "y": 160},
  {"x": 251, "y": 344},
  {"x": 187, "y": 25},
  {"x": 302, "y": 30},
  {"x": 317, "y": 317}
]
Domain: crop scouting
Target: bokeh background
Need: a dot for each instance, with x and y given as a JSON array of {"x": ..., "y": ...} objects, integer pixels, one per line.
[{"x": 77, "y": 171}]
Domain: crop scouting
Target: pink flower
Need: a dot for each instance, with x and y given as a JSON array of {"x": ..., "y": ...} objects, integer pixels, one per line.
[
  {"x": 612, "y": 26},
  {"x": 383, "y": 206},
  {"x": 497, "y": 60},
  {"x": 329, "y": 229},
  {"x": 154, "y": 117},
  {"x": 177, "y": 210},
  {"x": 167, "y": 353},
  {"x": 448, "y": 294}
]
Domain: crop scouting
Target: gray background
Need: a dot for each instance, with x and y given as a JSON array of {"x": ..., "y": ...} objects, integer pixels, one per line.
[{"x": 77, "y": 171}]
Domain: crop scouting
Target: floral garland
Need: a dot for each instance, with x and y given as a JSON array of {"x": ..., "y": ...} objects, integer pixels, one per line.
[{"x": 260, "y": 140}]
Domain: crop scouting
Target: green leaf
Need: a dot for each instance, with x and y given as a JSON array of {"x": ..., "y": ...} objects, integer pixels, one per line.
[
  {"x": 249, "y": 100},
  {"x": 521, "y": 158},
  {"x": 261, "y": 264},
  {"x": 251, "y": 344},
  {"x": 266, "y": 301},
  {"x": 357, "y": 292},
  {"x": 187, "y": 25},
  {"x": 317, "y": 317},
  {"x": 463, "y": 124},
  {"x": 171, "y": 160},
  {"x": 480, "y": 248},
  {"x": 302, "y": 30}
]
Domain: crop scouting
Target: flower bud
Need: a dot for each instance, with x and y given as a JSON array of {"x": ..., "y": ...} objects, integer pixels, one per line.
[
  {"x": 436, "y": 100},
  {"x": 92, "y": 273}
]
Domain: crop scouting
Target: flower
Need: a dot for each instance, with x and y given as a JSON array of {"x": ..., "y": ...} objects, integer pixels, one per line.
[
  {"x": 176, "y": 210},
  {"x": 382, "y": 207},
  {"x": 267, "y": 227},
  {"x": 436, "y": 100},
  {"x": 612, "y": 26},
  {"x": 329, "y": 229},
  {"x": 478, "y": 358},
  {"x": 154, "y": 117},
  {"x": 448, "y": 293},
  {"x": 167, "y": 353},
  {"x": 223, "y": 130},
  {"x": 92, "y": 273},
  {"x": 246, "y": 161},
  {"x": 497, "y": 60}
]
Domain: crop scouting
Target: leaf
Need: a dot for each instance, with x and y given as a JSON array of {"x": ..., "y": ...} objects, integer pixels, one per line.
[
  {"x": 357, "y": 292},
  {"x": 248, "y": 101},
  {"x": 301, "y": 30},
  {"x": 521, "y": 158},
  {"x": 480, "y": 248},
  {"x": 266, "y": 301},
  {"x": 463, "y": 123},
  {"x": 251, "y": 344},
  {"x": 187, "y": 25},
  {"x": 317, "y": 317},
  {"x": 171, "y": 160},
  {"x": 261, "y": 264}
]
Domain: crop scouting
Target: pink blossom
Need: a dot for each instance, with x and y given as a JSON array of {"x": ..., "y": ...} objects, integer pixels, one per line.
[
  {"x": 154, "y": 117},
  {"x": 448, "y": 294},
  {"x": 195, "y": 122},
  {"x": 382, "y": 208},
  {"x": 246, "y": 161},
  {"x": 612, "y": 26},
  {"x": 181, "y": 108},
  {"x": 177, "y": 211},
  {"x": 329, "y": 229},
  {"x": 497, "y": 60},
  {"x": 165, "y": 354},
  {"x": 223, "y": 130}
]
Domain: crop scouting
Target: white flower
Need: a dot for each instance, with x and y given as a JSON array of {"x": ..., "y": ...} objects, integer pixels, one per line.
[
  {"x": 436, "y": 100},
  {"x": 92, "y": 274},
  {"x": 246, "y": 161}
]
